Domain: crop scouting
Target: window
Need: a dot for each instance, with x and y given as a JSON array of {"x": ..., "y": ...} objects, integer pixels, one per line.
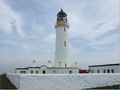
[
  {"x": 64, "y": 18},
  {"x": 23, "y": 72},
  {"x": 104, "y": 71},
  {"x": 70, "y": 72},
  {"x": 64, "y": 29},
  {"x": 37, "y": 72},
  {"x": 31, "y": 71},
  {"x": 112, "y": 70},
  {"x": 108, "y": 71},
  {"x": 92, "y": 71},
  {"x": 98, "y": 71},
  {"x": 65, "y": 43},
  {"x": 44, "y": 71},
  {"x": 59, "y": 18}
]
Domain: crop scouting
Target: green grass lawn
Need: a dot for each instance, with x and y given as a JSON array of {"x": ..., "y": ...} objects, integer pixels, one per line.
[
  {"x": 114, "y": 87},
  {"x": 5, "y": 83},
  {"x": 109, "y": 87}
]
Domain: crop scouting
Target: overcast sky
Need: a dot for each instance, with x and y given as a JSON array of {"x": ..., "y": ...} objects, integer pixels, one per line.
[{"x": 27, "y": 32}]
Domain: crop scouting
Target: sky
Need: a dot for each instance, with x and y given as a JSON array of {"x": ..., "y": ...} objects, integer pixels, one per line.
[{"x": 27, "y": 32}]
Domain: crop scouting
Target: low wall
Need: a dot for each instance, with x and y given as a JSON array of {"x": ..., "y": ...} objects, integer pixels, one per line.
[
  {"x": 15, "y": 79},
  {"x": 63, "y": 82}
]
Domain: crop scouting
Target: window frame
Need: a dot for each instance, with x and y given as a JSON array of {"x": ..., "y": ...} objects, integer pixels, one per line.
[
  {"x": 44, "y": 72},
  {"x": 64, "y": 29},
  {"x": 70, "y": 72},
  {"x": 36, "y": 72},
  {"x": 112, "y": 70},
  {"x": 98, "y": 71},
  {"x": 23, "y": 72},
  {"x": 31, "y": 71},
  {"x": 108, "y": 70},
  {"x": 104, "y": 71},
  {"x": 65, "y": 44}
]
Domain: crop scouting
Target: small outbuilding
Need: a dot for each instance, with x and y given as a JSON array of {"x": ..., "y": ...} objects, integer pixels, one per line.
[{"x": 105, "y": 68}]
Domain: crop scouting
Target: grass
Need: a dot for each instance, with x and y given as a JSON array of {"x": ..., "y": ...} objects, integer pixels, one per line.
[
  {"x": 114, "y": 87},
  {"x": 109, "y": 87},
  {"x": 5, "y": 82}
]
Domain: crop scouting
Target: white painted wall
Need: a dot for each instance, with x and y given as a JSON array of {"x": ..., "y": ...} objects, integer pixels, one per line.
[
  {"x": 62, "y": 71},
  {"x": 49, "y": 70},
  {"x": 63, "y": 81},
  {"x": 18, "y": 71},
  {"x": 62, "y": 52},
  {"x": 116, "y": 69}
]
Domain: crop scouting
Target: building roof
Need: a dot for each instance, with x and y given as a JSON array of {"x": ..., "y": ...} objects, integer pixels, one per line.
[
  {"x": 104, "y": 65},
  {"x": 62, "y": 67},
  {"x": 33, "y": 67},
  {"x": 49, "y": 67},
  {"x": 21, "y": 68},
  {"x": 44, "y": 66}
]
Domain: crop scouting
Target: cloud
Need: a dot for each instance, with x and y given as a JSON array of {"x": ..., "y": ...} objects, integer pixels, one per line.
[
  {"x": 91, "y": 21},
  {"x": 10, "y": 20},
  {"x": 50, "y": 38},
  {"x": 94, "y": 33}
]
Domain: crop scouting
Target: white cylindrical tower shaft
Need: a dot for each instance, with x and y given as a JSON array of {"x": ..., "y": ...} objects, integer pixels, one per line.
[{"x": 62, "y": 45}]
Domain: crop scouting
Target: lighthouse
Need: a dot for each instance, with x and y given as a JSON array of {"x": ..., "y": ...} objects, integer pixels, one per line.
[
  {"x": 62, "y": 65},
  {"x": 62, "y": 44}
]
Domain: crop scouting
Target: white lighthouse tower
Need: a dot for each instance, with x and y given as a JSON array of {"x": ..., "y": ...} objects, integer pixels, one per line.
[
  {"x": 62, "y": 65},
  {"x": 62, "y": 45}
]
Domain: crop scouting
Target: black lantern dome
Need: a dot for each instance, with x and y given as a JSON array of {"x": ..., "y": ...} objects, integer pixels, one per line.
[
  {"x": 61, "y": 14},
  {"x": 62, "y": 19}
]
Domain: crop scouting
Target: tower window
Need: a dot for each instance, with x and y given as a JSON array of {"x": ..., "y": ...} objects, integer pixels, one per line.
[
  {"x": 64, "y": 29},
  {"x": 65, "y": 43}
]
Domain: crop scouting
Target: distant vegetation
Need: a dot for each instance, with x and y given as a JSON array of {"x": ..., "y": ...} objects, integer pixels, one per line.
[{"x": 5, "y": 83}]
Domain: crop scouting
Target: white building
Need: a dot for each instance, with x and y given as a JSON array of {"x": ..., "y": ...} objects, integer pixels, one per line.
[
  {"x": 47, "y": 70},
  {"x": 106, "y": 68},
  {"x": 61, "y": 54}
]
